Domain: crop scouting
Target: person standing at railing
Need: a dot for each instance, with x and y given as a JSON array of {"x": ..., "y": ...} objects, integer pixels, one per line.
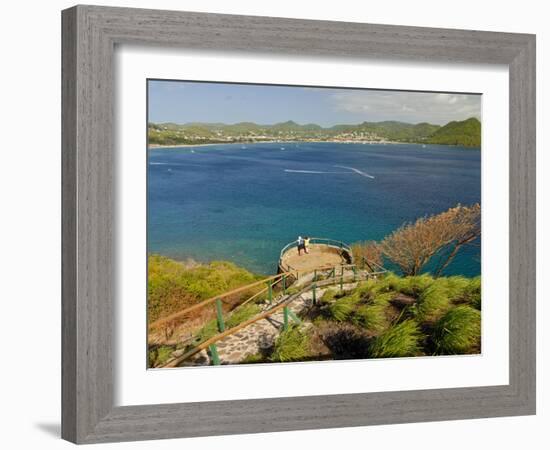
[
  {"x": 306, "y": 244},
  {"x": 301, "y": 245}
]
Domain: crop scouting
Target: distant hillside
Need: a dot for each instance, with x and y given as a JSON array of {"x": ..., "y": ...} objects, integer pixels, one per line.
[{"x": 466, "y": 132}]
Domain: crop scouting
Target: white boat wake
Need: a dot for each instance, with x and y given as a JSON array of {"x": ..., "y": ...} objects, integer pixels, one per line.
[
  {"x": 351, "y": 170},
  {"x": 309, "y": 171},
  {"x": 363, "y": 174}
]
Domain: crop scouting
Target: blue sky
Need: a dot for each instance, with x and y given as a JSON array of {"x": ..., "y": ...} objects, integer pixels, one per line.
[{"x": 183, "y": 102}]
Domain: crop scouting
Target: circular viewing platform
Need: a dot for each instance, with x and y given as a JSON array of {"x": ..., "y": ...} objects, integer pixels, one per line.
[{"x": 321, "y": 253}]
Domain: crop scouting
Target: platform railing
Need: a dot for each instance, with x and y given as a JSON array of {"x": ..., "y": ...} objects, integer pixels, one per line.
[{"x": 333, "y": 243}]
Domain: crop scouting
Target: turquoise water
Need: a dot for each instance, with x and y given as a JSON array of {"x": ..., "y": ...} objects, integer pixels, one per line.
[{"x": 244, "y": 202}]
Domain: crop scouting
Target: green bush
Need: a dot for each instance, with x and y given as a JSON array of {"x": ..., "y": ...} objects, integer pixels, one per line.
[
  {"x": 458, "y": 331},
  {"x": 472, "y": 293},
  {"x": 390, "y": 282},
  {"x": 291, "y": 345},
  {"x": 371, "y": 317},
  {"x": 414, "y": 286},
  {"x": 400, "y": 340},
  {"x": 455, "y": 286},
  {"x": 433, "y": 302},
  {"x": 329, "y": 295},
  {"x": 382, "y": 299},
  {"x": 342, "y": 308}
]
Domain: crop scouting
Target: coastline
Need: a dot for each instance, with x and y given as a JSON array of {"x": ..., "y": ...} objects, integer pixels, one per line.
[{"x": 160, "y": 147}]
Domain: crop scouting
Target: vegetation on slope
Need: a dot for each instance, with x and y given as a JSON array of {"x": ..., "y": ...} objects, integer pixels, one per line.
[
  {"x": 466, "y": 133},
  {"x": 403, "y": 316},
  {"x": 173, "y": 286}
]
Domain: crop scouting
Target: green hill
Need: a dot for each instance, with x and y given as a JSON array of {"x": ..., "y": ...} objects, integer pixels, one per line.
[{"x": 466, "y": 133}]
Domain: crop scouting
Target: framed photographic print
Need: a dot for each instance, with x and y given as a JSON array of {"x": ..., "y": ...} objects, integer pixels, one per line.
[{"x": 268, "y": 222}]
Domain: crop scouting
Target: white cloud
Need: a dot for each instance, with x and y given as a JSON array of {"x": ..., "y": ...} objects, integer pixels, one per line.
[{"x": 413, "y": 107}]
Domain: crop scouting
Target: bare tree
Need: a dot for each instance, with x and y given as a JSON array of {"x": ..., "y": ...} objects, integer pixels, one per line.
[
  {"x": 365, "y": 253},
  {"x": 413, "y": 245}
]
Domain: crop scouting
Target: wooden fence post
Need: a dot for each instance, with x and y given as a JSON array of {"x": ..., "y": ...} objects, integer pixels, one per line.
[{"x": 313, "y": 287}]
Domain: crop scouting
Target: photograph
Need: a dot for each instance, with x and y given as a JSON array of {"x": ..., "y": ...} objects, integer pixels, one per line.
[{"x": 295, "y": 223}]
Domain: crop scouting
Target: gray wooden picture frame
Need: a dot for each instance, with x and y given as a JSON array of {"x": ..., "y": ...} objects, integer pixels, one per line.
[{"x": 90, "y": 34}]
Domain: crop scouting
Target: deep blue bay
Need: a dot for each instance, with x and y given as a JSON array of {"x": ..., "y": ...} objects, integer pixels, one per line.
[{"x": 244, "y": 202}]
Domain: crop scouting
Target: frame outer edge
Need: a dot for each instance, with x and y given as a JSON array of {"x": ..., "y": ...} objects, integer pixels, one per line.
[
  {"x": 523, "y": 225},
  {"x": 88, "y": 208},
  {"x": 89, "y": 415},
  {"x": 68, "y": 224}
]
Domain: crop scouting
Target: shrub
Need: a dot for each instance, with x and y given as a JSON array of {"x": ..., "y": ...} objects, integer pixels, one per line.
[
  {"x": 371, "y": 317},
  {"x": 342, "y": 308},
  {"x": 472, "y": 293},
  {"x": 382, "y": 299},
  {"x": 414, "y": 286},
  {"x": 400, "y": 340},
  {"x": 291, "y": 345},
  {"x": 368, "y": 287},
  {"x": 458, "y": 331},
  {"x": 433, "y": 302},
  {"x": 456, "y": 286},
  {"x": 328, "y": 296}
]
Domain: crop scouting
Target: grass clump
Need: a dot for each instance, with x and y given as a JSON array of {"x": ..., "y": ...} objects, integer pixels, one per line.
[
  {"x": 329, "y": 295},
  {"x": 416, "y": 285},
  {"x": 160, "y": 355},
  {"x": 342, "y": 309},
  {"x": 458, "y": 331},
  {"x": 242, "y": 314},
  {"x": 400, "y": 340},
  {"x": 291, "y": 345},
  {"x": 253, "y": 359},
  {"x": 433, "y": 302},
  {"x": 371, "y": 317},
  {"x": 390, "y": 282},
  {"x": 472, "y": 293},
  {"x": 455, "y": 286}
]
